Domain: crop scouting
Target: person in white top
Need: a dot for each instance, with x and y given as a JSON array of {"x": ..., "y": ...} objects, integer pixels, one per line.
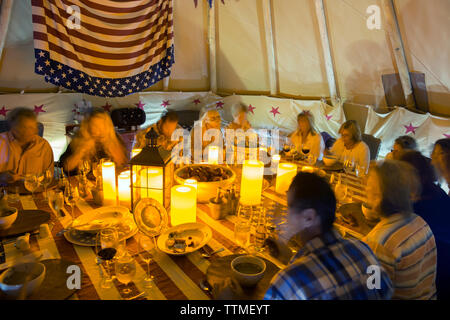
[
  {"x": 306, "y": 137},
  {"x": 350, "y": 146}
]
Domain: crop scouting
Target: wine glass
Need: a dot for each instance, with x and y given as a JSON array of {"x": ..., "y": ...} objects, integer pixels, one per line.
[
  {"x": 56, "y": 201},
  {"x": 349, "y": 165},
  {"x": 106, "y": 247},
  {"x": 47, "y": 178},
  {"x": 71, "y": 196},
  {"x": 31, "y": 183},
  {"x": 145, "y": 246},
  {"x": 125, "y": 271},
  {"x": 242, "y": 230}
]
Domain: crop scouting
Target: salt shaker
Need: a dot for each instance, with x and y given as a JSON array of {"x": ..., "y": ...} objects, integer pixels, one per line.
[{"x": 44, "y": 231}]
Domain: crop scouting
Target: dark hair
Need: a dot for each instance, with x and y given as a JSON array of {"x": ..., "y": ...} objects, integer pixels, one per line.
[
  {"x": 425, "y": 170},
  {"x": 406, "y": 142},
  {"x": 444, "y": 144},
  {"x": 309, "y": 191},
  {"x": 170, "y": 116},
  {"x": 18, "y": 114}
]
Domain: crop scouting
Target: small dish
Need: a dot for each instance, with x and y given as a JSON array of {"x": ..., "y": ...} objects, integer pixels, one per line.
[
  {"x": 248, "y": 270},
  {"x": 7, "y": 218},
  {"x": 193, "y": 235},
  {"x": 13, "y": 279}
]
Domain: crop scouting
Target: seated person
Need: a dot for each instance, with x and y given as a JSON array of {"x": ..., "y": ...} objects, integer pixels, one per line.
[
  {"x": 327, "y": 267},
  {"x": 209, "y": 120},
  {"x": 440, "y": 158},
  {"x": 350, "y": 146},
  {"x": 96, "y": 140},
  {"x": 22, "y": 151},
  {"x": 401, "y": 145},
  {"x": 431, "y": 204},
  {"x": 164, "y": 128},
  {"x": 240, "y": 121},
  {"x": 307, "y": 137},
  {"x": 402, "y": 241}
]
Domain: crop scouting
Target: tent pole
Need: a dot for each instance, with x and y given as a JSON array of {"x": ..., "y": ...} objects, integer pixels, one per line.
[
  {"x": 212, "y": 47},
  {"x": 399, "y": 51},
  {"x": 271, "y": 62},
  {"x": 6, "y": 7},
  {"x": 321, "y": 18},
  {"x": 166, "y": 84}
]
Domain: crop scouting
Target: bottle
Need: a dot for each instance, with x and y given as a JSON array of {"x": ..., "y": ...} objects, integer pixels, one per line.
[{"x": 234, "y": 200}]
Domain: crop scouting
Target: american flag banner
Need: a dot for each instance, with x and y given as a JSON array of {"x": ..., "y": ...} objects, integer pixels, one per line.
[{"x": 105, "y": 48}]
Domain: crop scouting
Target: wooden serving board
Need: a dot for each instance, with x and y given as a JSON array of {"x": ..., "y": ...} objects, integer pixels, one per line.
[
  {"x": 27, "y": 220},
  {"x": 220, "y": 269},
  {"x": 54, "y": 286}
]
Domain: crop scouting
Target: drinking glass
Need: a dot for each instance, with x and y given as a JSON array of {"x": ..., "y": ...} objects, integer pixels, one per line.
[
  {"x": 341, "y": 192},
  {"x": 13, "y": 195},
  {"x": 106, "y": 249},
  {"x": 125, "y": 271},
  {"x": 360, "y": 171},
  {"x": 31, "y": 183},
  {"x": 47, "y": 178},
  {"x": 242, "y": 230},
  {"x": 349, "y": 165},
  {"x": 71, "y": 196},
  {"x": 311, "y": 159},
  {"x": 56, "y": 201},
  {"x": 145, "y": 247}
]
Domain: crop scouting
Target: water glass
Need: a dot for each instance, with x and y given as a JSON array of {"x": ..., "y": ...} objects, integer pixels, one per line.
[
  {"x": 145, "y": 248},
  {"x": 56, "y": 201},
  {"x": 125, "y": 271},
  {"x": 31, "y": 183},
  {"x": 242, "y": 231}
]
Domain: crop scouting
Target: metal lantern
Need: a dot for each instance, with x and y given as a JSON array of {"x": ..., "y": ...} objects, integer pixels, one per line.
[{"x": 151, "y": 173}]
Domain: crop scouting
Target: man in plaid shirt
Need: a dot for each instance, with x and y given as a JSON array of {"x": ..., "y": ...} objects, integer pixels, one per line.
[{"x": 327, "y": 266}]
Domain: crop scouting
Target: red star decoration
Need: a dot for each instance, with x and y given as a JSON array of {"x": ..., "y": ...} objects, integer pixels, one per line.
[
  {"x": 107, "y": 107},
  {"x": 38, "y": 109},
  {"x": 3, "y": 111},
  {"x": 410, "y": 128},
  {"x": 140, "y": 105},
  {"x": 251, "y": 108},
  {"x": 447, "y": 135},
  {"x": 197, "y": 101},
  {"x": 74, "y": 110},
  {"x": 328, "y": 117},
  {"x": 306, "y": 112},
  {"x": 275, "y": 111},
  {"x": 219, "y": 105},
  {"x": 165, "y": 103}
]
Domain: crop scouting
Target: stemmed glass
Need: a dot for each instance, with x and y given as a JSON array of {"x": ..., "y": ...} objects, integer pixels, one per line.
[
  {"x": 56, "y": 201},
  {"x": 31, "y": 183},
  {"x": 242, "y": 230},
  {"x": 341, "y": 190},
  {"x": 47, "y": 178},
  {"x": 71, "y": 196},
  {"x": 125, "y": 271},
  {"x": 106, "y": 247},
  {"x": 145, "y": 246}
]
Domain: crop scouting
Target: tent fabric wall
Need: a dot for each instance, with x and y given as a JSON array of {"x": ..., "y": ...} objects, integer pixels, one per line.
[{"x": 360, "y": 55}]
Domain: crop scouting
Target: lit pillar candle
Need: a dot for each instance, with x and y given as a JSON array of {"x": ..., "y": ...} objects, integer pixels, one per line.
[
  {"x": 192, "y": 183},
  {"x": 262, "y": 151},
  {"x": 308, "y": 169},
  {"x": 152, "y": 183},
  {"x": 183, "y": 206},
  {"x": 275, "y": 161},
  {"x": 213, "y": 155},
  {"x": 109, "y": 183},
  {"x": 252, "y": 182},
  {"x": 123, "y": 186},
  {"x": 285, "y": 173}
]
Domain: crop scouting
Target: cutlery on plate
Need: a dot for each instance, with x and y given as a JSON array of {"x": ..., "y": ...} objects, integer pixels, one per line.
[{"x": 209, "y": 255}]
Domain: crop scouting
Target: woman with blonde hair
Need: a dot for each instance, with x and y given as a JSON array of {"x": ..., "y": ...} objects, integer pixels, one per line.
[
  {"x": 402, "y": 241},
  {"x": 95, "y": 140},
  {"x": 350, "y": 145},
  {"x": 307, "y": 138},
  {"x": 239, "y": 113}
]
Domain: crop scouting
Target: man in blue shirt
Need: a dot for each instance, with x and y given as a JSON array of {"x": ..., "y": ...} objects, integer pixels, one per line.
[{"x": 327, "y": 267}]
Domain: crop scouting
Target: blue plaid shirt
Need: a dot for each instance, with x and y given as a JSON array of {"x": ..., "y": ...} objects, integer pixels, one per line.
[{"x": 330, "y": 268}]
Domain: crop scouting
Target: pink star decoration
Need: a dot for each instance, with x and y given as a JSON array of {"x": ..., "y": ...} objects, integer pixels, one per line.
[
  {"x": 275, "y": 111},
  {"x": 410, "y": 128},
  {"x": 219, "y": 105},
  {"x": 306, "y": 112},
  {"x": 251, "y": 108},
  {"x": 140, "y": 105},
  {"x": 165, "y": 103},
  {"x": 328, "y": 117},
  {"x": 447, "y": 135},
  {"x": 197, "y": 101},
  {"x": 107, "y": 107},
  {"x": 3, "y": 111},
  {"x": 39, "y": 109}
]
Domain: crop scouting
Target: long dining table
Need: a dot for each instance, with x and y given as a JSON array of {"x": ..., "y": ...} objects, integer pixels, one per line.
[{"x": 175, "y": 277}]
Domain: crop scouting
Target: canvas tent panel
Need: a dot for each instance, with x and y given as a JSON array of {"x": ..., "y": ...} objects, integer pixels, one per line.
[{"x": 426, "y": 29}]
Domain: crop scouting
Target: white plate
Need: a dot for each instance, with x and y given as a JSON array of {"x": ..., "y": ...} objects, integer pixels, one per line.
[
  {"x": 150, "y": 217},
  {"x": 200, "y": 233},
  {"x": 104, "y": 217}
]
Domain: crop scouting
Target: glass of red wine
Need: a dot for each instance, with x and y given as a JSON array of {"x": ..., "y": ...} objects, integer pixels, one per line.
[{"x": 107, "y": 241}]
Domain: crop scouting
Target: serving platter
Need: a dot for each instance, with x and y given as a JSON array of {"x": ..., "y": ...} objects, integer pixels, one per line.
[{"x": 198, "y": 233}]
